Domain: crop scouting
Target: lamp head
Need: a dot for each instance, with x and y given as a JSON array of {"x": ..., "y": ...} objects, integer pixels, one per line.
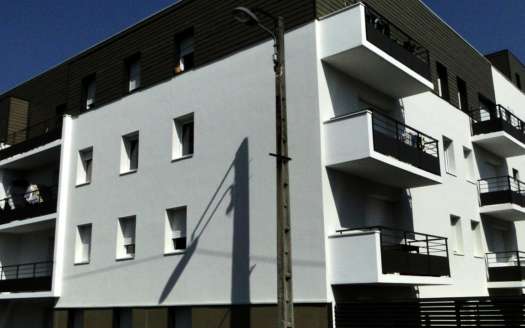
[{"x": 245, "y": 16}]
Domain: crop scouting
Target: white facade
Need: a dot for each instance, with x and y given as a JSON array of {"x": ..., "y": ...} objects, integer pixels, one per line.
[{"x": 227, "y": 186}]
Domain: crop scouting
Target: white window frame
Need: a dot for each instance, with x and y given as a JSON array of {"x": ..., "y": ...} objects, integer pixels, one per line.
[
  {"x": 129, "y": 157},
  {"x": 84, "y": 166},
  {"x": 179, "y": 147},
  {"x": 458, "y": 245},
  {"x": 450, "y": 155},
  {"x": 126, "y": 237},
  {"x": 477, "y": 239},
  {"x": 83, "y": 242},
  {"x": 176, "y": 223},
  {"x": 134, "y": 74},
  {"x": 470, "y": 167}
]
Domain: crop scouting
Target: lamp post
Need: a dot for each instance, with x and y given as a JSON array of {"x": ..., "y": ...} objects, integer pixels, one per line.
[{"x": 284, "y": 252}]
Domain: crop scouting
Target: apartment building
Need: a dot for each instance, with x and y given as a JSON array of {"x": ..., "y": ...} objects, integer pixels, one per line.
[{"x": 138, "y": 190}]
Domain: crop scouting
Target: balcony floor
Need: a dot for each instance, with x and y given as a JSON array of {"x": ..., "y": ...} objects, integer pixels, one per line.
[
  {"x": 508, "y": 211},
  {"x": 389, "y": 171},
  {"x": 500, "y": 143}
]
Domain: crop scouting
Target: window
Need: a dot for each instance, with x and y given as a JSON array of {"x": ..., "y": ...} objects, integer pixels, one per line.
[
  {"x": 462, "y": 95},
  {"x": 83, "y": 244},
  {"x": 129, "y": 159},
  {"x": 175, "y": 230},
  {"x": 457, "y": 234},
  {"x": 442, "y": 82},
  {"x": 85, "y": 166},
  {"x": 126, "y": 238},
  {"x": 133, "y": 71},
  {"x": 76, "y": 318},
  {"x": 475, "y": 226},
  {"x": 469, "y": 162},
  {"x": 183, "y": 136},
  {"x": 184, "y": 52},
  {"x": 450, "y": 159},
  {"x": 89, "y": 90},
  {"x": 518, "y": 81}
]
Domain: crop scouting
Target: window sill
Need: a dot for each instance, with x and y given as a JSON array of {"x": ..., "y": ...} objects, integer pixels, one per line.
[
  {"x": 81, "y": 263},
  {"x": 472, "y": 182},
  {"x": 127, "y": 258},
  {"x": 178, "y": 159},
  {"x": 452, "y": 174},
  {"x": 83, "y": 184},
  {"x": 177, "y": 252},
  {"x": 481, "y": 257},
  {"x": 128, "y": 172},
  {"x": 459, "y": 254}
]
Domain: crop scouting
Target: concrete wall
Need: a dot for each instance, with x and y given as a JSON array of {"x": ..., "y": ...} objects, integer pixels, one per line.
[{"x": 228, "y": 187}]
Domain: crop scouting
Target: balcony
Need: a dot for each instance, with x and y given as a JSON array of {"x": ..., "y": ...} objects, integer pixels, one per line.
[
  {"x": 366, "y": 46},
  {"x": 29, "y": 277},
  {"x": 502, "y": 197},
  {"x": 374, "y": 146},
  {"x": 388, "y": 256},
  {"x": 506, "y": 269},
  {"x": 30, "y": 138},
  {"x": 39, "y": 202},
  {"x": 499, "y": 131}
]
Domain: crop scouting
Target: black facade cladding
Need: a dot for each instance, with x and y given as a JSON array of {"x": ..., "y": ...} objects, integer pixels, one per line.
[
  {"x": 510, "y": 66},
  {"x": 217, "y": 35}
]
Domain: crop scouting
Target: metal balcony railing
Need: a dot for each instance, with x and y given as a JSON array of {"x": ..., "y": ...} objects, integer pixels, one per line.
[
  {"x": 31, "y": 204},
  {"x": 394, "y": 41},
  {"x": 411, "y": 253},
  {"x": 495, "y": 120},
  {"x": 31, "y": 137},
  {"x": 501, "y": 190},
  {"x": 405, "y": 143},
  {"x": 506, "y": 266},
  {"x": 26, "y": 277}
]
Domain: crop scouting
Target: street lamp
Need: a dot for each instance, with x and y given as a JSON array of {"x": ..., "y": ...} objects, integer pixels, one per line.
[{"x": 284, "y": 247}]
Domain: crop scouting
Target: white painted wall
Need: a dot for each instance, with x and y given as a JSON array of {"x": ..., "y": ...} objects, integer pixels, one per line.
[{"x": 228, "y": 187}]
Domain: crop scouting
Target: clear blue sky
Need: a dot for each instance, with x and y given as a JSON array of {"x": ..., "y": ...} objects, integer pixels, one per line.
[{"x": 36, "y": 35}]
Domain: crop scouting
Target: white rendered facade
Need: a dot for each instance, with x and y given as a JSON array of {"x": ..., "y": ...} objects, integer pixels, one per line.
[{"x": 227, "y": 186}]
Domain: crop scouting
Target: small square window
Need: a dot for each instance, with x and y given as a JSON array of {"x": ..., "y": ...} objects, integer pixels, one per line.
[
  {"x": 83, "y": 244},
  {"x": 85, "y": 166},
  {"x": 184, "y": 59},
  {"x": 176, "y": 230},
  {"x": 126, "y": 238},
  {"x": 183, "y": 136},
  {"x": 129, "y": 153},
  {"x": 134, "y": 73}
]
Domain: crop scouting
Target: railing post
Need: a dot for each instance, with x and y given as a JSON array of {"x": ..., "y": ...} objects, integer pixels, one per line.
[{"x": 518, "y": 259}]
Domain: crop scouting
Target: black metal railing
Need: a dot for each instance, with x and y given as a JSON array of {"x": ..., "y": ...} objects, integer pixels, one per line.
[
  {"x": 501, "y": 190},
  {"x": 41, "y": 201},
  {"x": 411, "y": 253},
  {"x": 405, "y": 143},
  {"x": 497, "y": 119},
  {"x": 31, "y": 137},
  {"x": 26, "y": 277},
  {"x": 394, "y": 41},
  {"x": 506, "y": 266}
]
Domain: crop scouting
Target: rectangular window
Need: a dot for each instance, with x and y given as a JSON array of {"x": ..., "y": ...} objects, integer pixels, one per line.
[
  {"x": 442, "y": 82},
  {"x": 469, "y": 162},
  {"x": 457, "y": 234},
  {"x": 176, "y": 229},
  {"x": 83, "y": 244},
  {"x": 475, "y": 226},
  {"x": 133, "y": 71},
  {"x": 518, "y": 81},
  {"x": 126, "y": 238},
  {"x": 450, "y": 158},
  {"x": 462, "y": 95},
  {"x": 85, "y": 166},
  {"x": 184, "y": 59},
  {"x": 89, "y": 90},
  {"x": 183, "y": 136},
  {"x": 123, "y": 318},
  {"x": 129, "y": 158}
]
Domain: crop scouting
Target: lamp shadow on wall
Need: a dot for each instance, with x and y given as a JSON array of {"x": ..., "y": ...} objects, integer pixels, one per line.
[{"x": 239, "y": 208}]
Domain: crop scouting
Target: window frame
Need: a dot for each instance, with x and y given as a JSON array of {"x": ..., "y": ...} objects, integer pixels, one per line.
[
  {"x": 89, "y": 89},
  {"x": 442, "y": 81},
  {"x": 178, "y": 137},
  {"x": 171, "y": 232},
  {"x": 129, "y": 159},
  {"x": 449, "y": 156},
  {"x": 81, "y": 258},
  {"x": 458, "y": 238},
  {"x": 129, "y": 63},
  {"x": 179, "y": 39},
  {"x": 122, "y": 246},
  {"x": 84, "y": 175}
]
